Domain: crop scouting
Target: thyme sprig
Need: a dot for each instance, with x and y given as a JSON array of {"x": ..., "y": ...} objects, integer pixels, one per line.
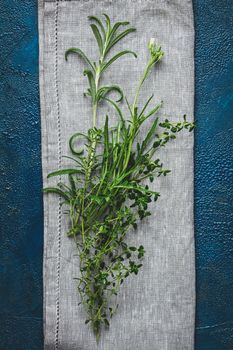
[{"x": 106, "y": 194}]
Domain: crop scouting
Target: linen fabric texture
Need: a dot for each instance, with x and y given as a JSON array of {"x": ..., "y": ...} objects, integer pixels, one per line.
[{"x": 156, "y": 307}]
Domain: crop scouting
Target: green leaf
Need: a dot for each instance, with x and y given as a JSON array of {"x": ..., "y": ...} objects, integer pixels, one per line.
[
  {"x": 128, "y": 105},
  {"x": 133, "y": 249},
  {"x": 91, "y": 81},
  {"x": 145, "y": 106},
  {"x": 80, "y": 53},
  {"x": 106, "y": 138},
  {"x": 135, "y": 188},
  {"x": 98, "y": 21},
  {"x": 105, "y": 158},
  {"x": 75, "y": 160},
  {"x": 71, "y": 141},
  {"x": 57, "y": 191},
  {"x": 118, "y": 55},
  {"x": 108, "y": 23},
  {"x": 98, "y": 37},
  {"x": 149, "y": 135},
  {"x": 117, "y": 25},
  {"x": 153, "y": 111},
  {"x": 116, "y": 107},
  {"x": 72, "y": 184},
  {"x": 104, "y": 90},
  {"x": 114, "y": 30},
  {"x": 65, "y": 172},
  {"x": 97, "y": 199},
  {"x": 119, "y": 37},
  {"x": 192, "y": 127}
]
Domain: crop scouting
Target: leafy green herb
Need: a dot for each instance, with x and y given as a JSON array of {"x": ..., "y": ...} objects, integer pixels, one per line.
[{"x": 106, "y": 194}]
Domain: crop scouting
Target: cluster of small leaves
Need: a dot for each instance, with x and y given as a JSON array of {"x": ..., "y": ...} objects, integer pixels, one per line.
[{"x": 106, "y": 195}]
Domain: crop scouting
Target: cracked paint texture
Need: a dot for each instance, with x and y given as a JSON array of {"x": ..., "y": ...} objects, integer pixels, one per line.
[
  {"x": 214, "y": 174},
  {"x": 21, "y": 220}
]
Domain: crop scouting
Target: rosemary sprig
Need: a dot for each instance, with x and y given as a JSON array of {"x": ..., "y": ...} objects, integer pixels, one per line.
[{"x": 106, "y": 194}]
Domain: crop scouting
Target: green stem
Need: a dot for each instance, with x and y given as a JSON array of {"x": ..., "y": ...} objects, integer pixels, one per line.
[
  {"x": 145, "y": 72},
  {"x": 132, "y": 134},
  {"x": 94, "y": 114},
  {"x": 137, "y": 93}
]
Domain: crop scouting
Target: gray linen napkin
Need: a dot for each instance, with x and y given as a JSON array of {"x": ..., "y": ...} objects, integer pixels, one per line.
[{"x": 156, "y": 309}]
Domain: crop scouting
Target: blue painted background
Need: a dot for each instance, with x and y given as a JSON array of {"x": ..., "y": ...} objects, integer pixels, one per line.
[
  {"x": 21, "y": 221},
  {"x": 214, "y": 174}
]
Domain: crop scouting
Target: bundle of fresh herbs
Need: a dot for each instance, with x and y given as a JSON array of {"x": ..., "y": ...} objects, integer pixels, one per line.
[{"x": 105, "y": 193}]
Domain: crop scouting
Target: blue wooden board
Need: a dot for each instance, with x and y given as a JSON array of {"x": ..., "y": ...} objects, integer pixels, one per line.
[{"x": 21, "y": 222}]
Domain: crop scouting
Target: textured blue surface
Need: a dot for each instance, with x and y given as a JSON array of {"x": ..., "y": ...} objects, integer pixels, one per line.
[
  {"x": 21, "y": 222},
  {"x": 213, "y": 175},
  {"x": 20, "y": 166}
]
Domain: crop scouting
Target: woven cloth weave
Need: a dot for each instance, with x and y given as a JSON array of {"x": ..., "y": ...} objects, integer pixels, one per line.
[{"x": 156, "y": 310}]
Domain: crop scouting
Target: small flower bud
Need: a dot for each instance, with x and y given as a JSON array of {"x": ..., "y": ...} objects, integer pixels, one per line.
[
  {"x": 151, "y": 44},
  {"x": 155, "y": 51}
]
